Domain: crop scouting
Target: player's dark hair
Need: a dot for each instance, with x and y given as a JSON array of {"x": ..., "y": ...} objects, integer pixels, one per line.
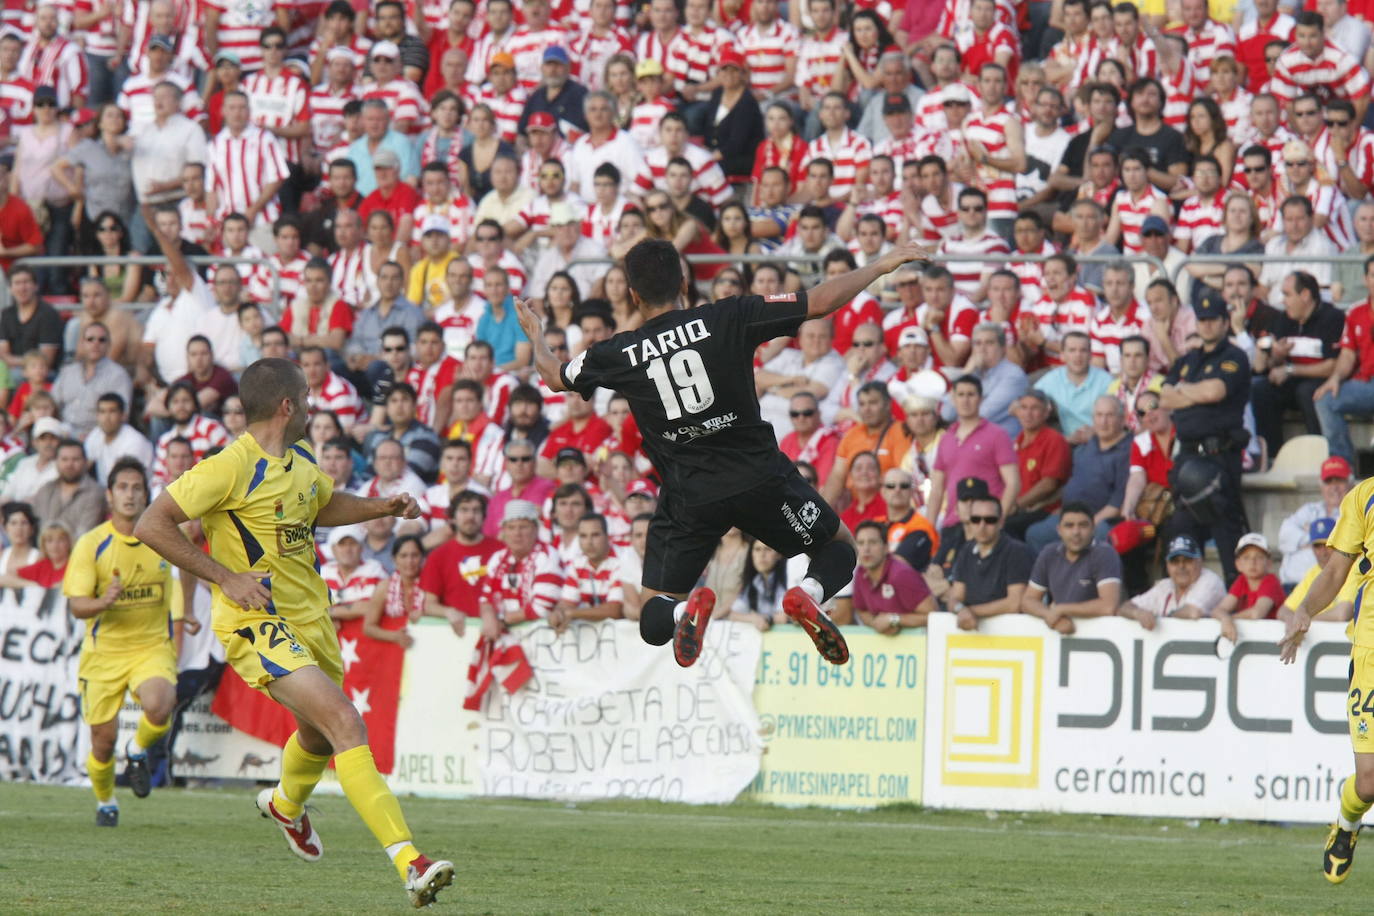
[
  {"x": 654, "y": 270},
  {"x": 265, "y": 384},
  {"x": 405, "y": 539},
  {"x": 466, "y": 496},
  {"x": 1077, "y": 507},
  {"x": 127, "y": 463}
]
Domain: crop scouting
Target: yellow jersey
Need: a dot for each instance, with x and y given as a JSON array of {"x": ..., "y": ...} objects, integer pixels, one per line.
[
  {"x": 141, "y": 616},
  {"x": 1354, "y": 534},
  {"x": 258, "y": 514}
]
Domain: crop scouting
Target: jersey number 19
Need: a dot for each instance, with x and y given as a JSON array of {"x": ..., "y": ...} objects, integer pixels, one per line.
[{"x": 689, "y": 387}]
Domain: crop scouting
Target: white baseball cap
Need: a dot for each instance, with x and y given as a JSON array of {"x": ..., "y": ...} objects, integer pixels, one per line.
[
  {"x": 1253, "y": 539},
  {"x": 345, "y": 531},
  {"x": 50, "y": 426}
]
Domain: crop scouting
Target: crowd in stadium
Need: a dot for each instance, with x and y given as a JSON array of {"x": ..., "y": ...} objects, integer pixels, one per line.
[{"x": 383, "y": 181}]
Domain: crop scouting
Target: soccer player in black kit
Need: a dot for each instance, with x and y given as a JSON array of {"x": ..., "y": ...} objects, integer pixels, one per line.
[{"x": 689, "y": 378}]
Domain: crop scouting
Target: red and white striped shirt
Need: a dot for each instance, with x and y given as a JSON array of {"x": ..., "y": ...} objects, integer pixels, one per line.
[
  {"x": 1236, "y": 111},
  {"x": 900, "y": 150},
  {"x": 280, "y": 101},
  {"x": 1329, "y": 200},
  {"x": 240, "y": 26},
  {"x": 482, "y": 50},
  {"x": 458, "y": 212},
  {"x": 940, "y": 223},
  {"x": 991, "y": 131},
  {"x": 1180, "y": 88},
  {"x": 196, "y": 225},
  {"x": 16, "y": 101},
  {"x": 531, "y": 161},
  {"x": 514, "y": 267},
  {"x": 889, "y": 208},
  {"x": 59, "y": 64},
  {"x": 358, "y": 47},
  {"x": 1144, "y": 56},
  {"x": 600, "y": 225},
  {"x": 694, "y": 58},
  {"x": 241, "y": 167},
  {"x": 292, "y": 281},
  {"x": 527, "y": 47},
  {"x": 980, "y": 49},
  {"x": 302, "y": 18},
  {"x": 506, "y": 107},
  {"x": 1074, "y": 313},
  {"x": 347, "y": 274},
  {"x": 339, "y": 395},
  {"x": 819, "y": 60},
  {"x": 136, "y": 98},
  {"x": 496, "y": 397},
  {"x": 357, "y": 586},
  {"x": 428, "y": 381},
  {"x": 18, "y": 16},
  {"x": 1132, "y": 211},
  {"x": 1107, "y": 331},
  {"x": 1333, "y": 75},
  {"x": 1213, "y": 40},
  {"x": 969, "y": 274},
  {"x": 850, "y": 152},
  {"x": 708, "y": 180},
  {"x": 204, "y": 433},
  {"x": 536, "y": 213},
  {"x": 460, "y": 325},
  {"x": 530, "y": 585},
  {"x": 651, "y": 46},
  {"x": 100, "y": 39},
  {"x": 134, "y": 15},
  {"x": 590, "y": 52},
  {"x": 584, "y": 586},
  {"x": 766, "y": 50},
  {"x": 960, "y": 320},
  {"x": 929, "y": 113},
  {"x": 957, "y": 11},
  {"x": 1199, "y": 220},
  {"x": 326, "y": 114},
  {"x": 1031, "y": 273},
  {"x": 644, "y": 121},
  {"x": 404, "y": 101}
]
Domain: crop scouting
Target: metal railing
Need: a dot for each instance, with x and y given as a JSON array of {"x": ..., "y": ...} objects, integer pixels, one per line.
[
  {"x": 1236, "y": 258},
  {"x": 38, "y": 262}
]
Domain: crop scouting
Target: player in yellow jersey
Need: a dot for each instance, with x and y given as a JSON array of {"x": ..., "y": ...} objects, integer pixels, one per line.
[
  {"x": 1351, "y": 543},
  {"x": 259, "y": 501},
  {"x": 123, "y": 590}
]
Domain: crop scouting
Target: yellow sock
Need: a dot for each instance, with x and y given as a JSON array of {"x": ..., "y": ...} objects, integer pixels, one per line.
[
  {"x": 102, "y": 778},
  {"x": 368, "y": 794},
  {"x": 1353, "y": 807},
  {"x": 300, "y": 772},
  {"x": 149, "y": 734}
]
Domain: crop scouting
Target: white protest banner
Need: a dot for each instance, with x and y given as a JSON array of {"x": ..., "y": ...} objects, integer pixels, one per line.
[
  {"x": 1118, "y": 720},
  {"x": 40, "y": 701},
  {"x": 608, "y": 716}
]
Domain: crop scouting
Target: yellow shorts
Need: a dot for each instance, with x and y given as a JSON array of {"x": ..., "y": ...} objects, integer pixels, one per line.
[
  {"x": 262, "y": 647},
  {"x": 1360, "y": 702},
  {"x": 105, "y": 676}
]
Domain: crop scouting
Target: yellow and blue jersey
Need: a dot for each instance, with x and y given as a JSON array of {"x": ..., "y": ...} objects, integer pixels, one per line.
[
  {"x": 1354, "y": 534},
  {"x": 141, "y": 616},
  {"x": 258, "y": 514}
]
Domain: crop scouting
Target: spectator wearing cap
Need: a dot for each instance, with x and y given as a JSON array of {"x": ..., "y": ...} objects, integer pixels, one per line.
[
  {"x": 652, "y": 104},
  {"x": 377, "y": 136},
  {"x": 1044, "y": 459},
  {"x": 557, "y": 94},
  {"x": 39, "y": 467},
  {"x": 953, "y": 537},
  {"x": 1291, "y": 249},
  {"x": 990, "y": 571},
  {"x": 1156, "y": 241},
  {"x": 428, "y": 287},
  {"x": 350, "y": 578},
  {"x": 524, "y": 579},
  {"x": 390, "y": 16},
  {"x": 1075, "y": 387},
  {"x": 1343, "y": 607},
  {"x": 1075, "y": 576},
  {"x": 894, "y": 78},
  {"x": 568, "y": 244},
  {"x": 1292, "y": 366},
  {"x": 1003, "y": 381},
  {"x": 1349, "y": 390},
  {"x": 390, "y": 193},
  {"x": 1100, "y": 468},
  {"x": 973, "y": 447},
  {"x": 1256, "y": 593},
  {"x": 583, "y": 432},
  {"x": 1190, "y": 591},
  {"x": 1295, "y": 540},
  {"x": 915, "y": 375},
  {"x": 889, "y": 595},
  {"x": 734, "y": 137}
]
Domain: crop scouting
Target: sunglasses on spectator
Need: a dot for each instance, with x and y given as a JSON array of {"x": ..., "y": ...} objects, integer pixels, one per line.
[
  {"x": 101, "y": 339},
  {"x": 971, "y": 209},
  {"x": 1310, "y": 113},
  {"x": 1331, "y": 123},
  {"x": 896, "y": 486},
  {"x": 809, "y": 412},
  {"x": 950, "y": 103},
  {"x": 519, "y": 459},
  {"x": 394, "y": 349},
  {"x": 1256, "y": 169},
  {"x": 865, "y": 343},
  {"x": 1271, "y": 60},
  {"x": 273, "y": 46},
  {"x": 1153, "y": 233},
  {"x": 488, "y": 238},
  {"x": 985, "y": 519},
  {"x": 657, "y": 207},
  {"x": 45, "y": 103},
  {"x": 1143, "y": 412},
  {"x": 1298, "y": 164}
]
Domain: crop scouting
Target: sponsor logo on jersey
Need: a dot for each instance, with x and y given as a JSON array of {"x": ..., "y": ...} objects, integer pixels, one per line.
[
  {"x": 293, "y": 539},
  {"x": 804, "y": 529},
  {"x": 809, "y": 513},
  {"x": 145, "y": 593},
  {"x": 781, "y": 297},
  {"x": 706, "y": 428}
]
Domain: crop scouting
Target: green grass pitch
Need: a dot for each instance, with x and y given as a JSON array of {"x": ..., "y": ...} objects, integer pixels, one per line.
[{"x": 209, "y": 852}]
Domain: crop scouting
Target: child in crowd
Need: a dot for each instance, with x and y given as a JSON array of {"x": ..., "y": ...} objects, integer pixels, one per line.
[{"x": 1256, "y": 594}]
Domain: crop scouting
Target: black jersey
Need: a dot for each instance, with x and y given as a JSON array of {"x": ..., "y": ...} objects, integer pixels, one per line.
[{"x": 689, "y": 378}]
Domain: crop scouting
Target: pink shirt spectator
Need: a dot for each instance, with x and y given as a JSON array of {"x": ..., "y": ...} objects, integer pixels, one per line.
[
  {"x": 900, "y": 589},
  {"x": 980, "y": 455}
]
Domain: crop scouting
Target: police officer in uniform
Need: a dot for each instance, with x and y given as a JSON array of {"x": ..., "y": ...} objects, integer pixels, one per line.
[{"x": 1207, "y": 388}]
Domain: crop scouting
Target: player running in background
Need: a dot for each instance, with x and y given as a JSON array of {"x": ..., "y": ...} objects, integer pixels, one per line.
[
  {"x": 689, "y": 378},
  {"x": 1350, "y": 542},
  {"x": 259, "y": 502},
  {"x": 123, "y": 590}
]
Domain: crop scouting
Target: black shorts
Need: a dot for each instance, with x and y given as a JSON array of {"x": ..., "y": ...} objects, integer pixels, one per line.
[{"x": 786, "y": 513}]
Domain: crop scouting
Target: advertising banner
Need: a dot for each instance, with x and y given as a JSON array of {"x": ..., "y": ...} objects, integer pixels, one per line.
[
  {"x": 848, "y": 736},
  {"x": 1119, "y": 720}
]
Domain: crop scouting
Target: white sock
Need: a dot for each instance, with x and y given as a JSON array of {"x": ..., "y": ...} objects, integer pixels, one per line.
[
  {"x": 678, "y": 610},
  {"x": 132, "y": 751},
  {"x": 112, "y": 803},
  {"x": 1347, "y": 825},
  {"x": 394, "y": 849},
  {"x": 813, "y": 589}
]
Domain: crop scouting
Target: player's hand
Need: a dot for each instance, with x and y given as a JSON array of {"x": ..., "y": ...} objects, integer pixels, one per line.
[
  {"x": 246, "y": 590},
  {"x": 530, "y": 323},
  {"x": 906, "y": 252},
  {"x": 403, "y": 505},
  {"x": 190, "y": 624},
  {"x": 1298, "y": 623}
]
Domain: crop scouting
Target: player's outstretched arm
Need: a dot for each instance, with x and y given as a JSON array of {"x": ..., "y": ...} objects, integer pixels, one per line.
[
  {"x": 835, "y": 293},
  {"x": 347, "y": 509},
  {"x": 548, "y": 366},
  {"x": 1323, "y": 591},
  {"x": 159, "y": 529}
]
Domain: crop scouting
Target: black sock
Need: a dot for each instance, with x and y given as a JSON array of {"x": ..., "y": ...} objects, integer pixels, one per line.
[
  {"x": 833, "y": 566},
  {"x": 656, "y": 620}
]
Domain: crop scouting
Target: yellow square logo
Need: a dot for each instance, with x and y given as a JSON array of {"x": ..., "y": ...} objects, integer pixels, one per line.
[{"x": 992, "y": 711}]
